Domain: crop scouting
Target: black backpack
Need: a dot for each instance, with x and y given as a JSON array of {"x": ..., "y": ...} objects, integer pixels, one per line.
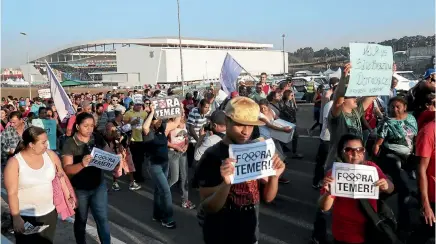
[{"x": 382, "y": 226}]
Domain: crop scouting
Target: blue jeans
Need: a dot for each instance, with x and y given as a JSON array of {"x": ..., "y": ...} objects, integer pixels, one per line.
[
  {"x": 178, "y": 163},
  {"x": 162, "y": 205},
  {"x": 96, "y": 200}
]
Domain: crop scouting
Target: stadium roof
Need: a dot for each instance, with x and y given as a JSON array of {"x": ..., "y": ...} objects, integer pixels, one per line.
[{"x": 154, "y": 42}]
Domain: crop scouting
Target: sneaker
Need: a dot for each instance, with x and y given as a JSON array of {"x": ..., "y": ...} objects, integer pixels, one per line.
[
  {"x": 283, "y": 180},
  {"x": 134, "y": 186},
  {"x": 169, "y": 225},
  {"x": 115, "y": 186},
  {"x": 188, "y": 204}
]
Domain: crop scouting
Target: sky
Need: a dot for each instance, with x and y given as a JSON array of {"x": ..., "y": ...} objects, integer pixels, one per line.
[{"x": 53, "y": 24}]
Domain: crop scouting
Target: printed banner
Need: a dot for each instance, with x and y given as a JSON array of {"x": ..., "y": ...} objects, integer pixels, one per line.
[
  {"x": 168, "y": 107},
  {"x": 104, "y": 160},
  {"x": 44, "y": 93},
  {"x": 354, "y": 181},
  {"x": 49, "y": 126},
  {"x": 253, "y": 160},
  {"x": 371, "y": 73}
]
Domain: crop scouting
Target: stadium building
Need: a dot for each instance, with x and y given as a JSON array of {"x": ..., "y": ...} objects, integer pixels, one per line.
[{"x": 136, "y": 62}]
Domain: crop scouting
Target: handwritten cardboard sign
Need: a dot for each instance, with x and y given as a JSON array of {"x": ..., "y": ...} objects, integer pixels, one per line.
[
  {"x": 104, "y": 160},
  {"x": 371, "y": 73},
  {"x": 138, "y": 99},
  {"x": 253, "y": 160},
  {"x": 354, "y": 181},
  {"x": 166, "y": 107},
  {"x": 44, "y": 93},
  {"x": 49, "y": 126}
]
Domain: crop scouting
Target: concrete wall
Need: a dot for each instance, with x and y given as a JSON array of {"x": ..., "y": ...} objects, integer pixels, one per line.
[
  {"x": 142, "y": 60},
  {"x": 163, "y": 64},
  {"x": 29, "y": 72}
]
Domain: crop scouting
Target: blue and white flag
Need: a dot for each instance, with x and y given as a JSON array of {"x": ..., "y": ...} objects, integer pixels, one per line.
[
  {"x": 229, "y": 74},
  {"x": 63, "y": 104}
]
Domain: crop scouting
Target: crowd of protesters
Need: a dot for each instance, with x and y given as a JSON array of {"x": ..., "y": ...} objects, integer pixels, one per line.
[{"x": 394, "y": 134}]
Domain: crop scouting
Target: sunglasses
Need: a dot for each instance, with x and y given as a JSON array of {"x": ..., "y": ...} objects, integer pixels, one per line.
[
  {"x": 351, "y": 150},
  {"x": 147, "y": 103},
  {"x": 114, "y": 100}
]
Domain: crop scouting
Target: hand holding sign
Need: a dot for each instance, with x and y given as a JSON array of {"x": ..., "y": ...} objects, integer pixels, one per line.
[
  {"x": 86, "y": 160},
  {"x": 278, "y": 165},
  {"x": 382, "y": 184},
  {"x": 227, "y": 170},
  {"x": 327, "y": 183}
]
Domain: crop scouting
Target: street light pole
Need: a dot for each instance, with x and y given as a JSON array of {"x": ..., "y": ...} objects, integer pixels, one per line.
[
  {"x": 27, "y": 64},
  {"x": 180, "y": 49},
  {"x": 284, "y": 61}
]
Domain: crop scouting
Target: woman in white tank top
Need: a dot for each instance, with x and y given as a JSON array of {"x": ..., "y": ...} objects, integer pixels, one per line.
[{"x": 28, "y": 181}]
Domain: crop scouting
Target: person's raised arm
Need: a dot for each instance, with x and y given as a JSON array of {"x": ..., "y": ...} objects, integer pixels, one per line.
[
  {"x": 147, "y": 122},
  {"x": 339, "y": 95}
]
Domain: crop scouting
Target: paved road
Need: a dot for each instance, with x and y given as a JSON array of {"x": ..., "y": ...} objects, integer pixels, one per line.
[{"x": 287, "y": 220}]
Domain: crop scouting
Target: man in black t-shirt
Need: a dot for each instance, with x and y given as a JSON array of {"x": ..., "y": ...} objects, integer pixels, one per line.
[{"x": 231, "y": 212}]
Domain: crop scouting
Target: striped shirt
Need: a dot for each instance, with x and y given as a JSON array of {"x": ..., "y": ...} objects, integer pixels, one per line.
[{"x": 197, "y": 120}]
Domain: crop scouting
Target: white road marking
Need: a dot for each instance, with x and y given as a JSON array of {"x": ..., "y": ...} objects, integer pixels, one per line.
[
  {"x": 263, "y": 236},
  {"x": 89, "y": 229}
]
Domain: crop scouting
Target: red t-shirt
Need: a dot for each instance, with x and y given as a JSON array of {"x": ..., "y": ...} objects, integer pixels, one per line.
[
  {"x": 105, "y": 105},
  {"x": 188, "y": 105},
  {"x": 425, "y": 147},
  {"x": 71, "y": 122},
  {"x": 370, "y": 116},
  {"x": 348, "y": 220},
  {"x": 265, "y": 89},
  {"x": 425, "y": 117}
]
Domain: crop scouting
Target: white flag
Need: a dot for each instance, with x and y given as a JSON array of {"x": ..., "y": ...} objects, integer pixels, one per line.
[
  {"x": 62, "y": 102},
  {"x": 229, "y": 74}
]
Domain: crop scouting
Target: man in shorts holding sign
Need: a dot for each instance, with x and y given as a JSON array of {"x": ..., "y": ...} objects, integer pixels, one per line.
[{"x": 231, "y": 211}]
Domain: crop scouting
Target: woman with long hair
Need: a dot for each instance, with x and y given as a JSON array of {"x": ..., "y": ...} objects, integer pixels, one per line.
[
  {"x": 393, "y": 146},
  {"x": 178, "y": 162},
  {"x": 88, "y": 182},
  {"x": 119, "y": 144},
  {"x": 28, "y": 181},
  {"x": 158, "y": 152}
]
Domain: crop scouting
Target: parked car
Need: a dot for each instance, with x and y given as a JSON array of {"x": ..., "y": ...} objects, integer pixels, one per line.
[{"x": 406, "y": 80}]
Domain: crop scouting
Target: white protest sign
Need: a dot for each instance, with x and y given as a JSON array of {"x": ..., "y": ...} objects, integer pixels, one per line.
[
  {"x": 104, "y": 160},
  {"x": 138, "y": 99},
  {"x": 30, "y": 229},
  {"x": 371, "y": 72},
  {"x": 167, "y": 107},
  {"x": 253, "y": 160},
  {"x": 44, "y": 93},
  {"x": 354, "y": 181}
]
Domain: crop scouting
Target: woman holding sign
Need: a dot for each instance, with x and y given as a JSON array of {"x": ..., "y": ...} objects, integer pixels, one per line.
[
  {"x": 158, "y": 151},
  {"x": 348, "y": 220},
  {"x": 28, "y": 181},
  {"x": 88, "y": 182}
]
